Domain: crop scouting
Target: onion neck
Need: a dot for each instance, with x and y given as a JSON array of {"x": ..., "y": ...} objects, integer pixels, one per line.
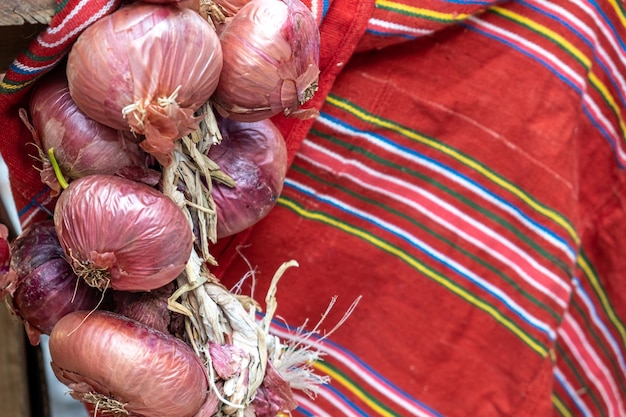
[{"x": 102, "y": 405}]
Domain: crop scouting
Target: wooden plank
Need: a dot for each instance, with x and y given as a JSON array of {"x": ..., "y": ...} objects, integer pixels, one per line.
[
  {"x": 14, "y": 389},
  {"x": 20, "y": 22}
]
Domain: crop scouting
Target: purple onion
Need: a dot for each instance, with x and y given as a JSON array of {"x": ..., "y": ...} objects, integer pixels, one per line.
[
  {"x": 82, "y": 146},
  {"x": 254, "y": 155},
  {"x": 45, "y": 287},
  {"x": 271, "y": 52}
]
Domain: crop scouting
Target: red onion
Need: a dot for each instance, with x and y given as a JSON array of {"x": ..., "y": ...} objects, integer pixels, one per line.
[
  {"x": 118, "y": 363},
  {"x": 147, "y": 67},
  {"x": 121, "y": 233},
  {"x": 5, "y": 252},
  {"x": 81, "y": 145},
  {"x": 147, "y": 307},
  {"x": 254, "y": 155},
  {"x": 44, "y": 286},
  {"x": 231, "y": 7},
  {"x": 271, "y": 57}
]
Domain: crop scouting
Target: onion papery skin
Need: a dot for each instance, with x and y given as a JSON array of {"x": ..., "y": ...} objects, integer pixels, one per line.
[
  {"x": 45, "y": 287},
  {"x": 82, "y": 146},
  {"x": 271, "y": 60},
  {"x": 151, "y": 373},
  {"x": 131, "y": 236},
  {"x": 147, "y": 307},
  {"x": 147, "y": 68},
  {"x": 254, "y": 155},
  {"x": 230, "y": 7}
]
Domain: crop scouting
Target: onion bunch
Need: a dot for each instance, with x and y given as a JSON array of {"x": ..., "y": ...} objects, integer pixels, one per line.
[
  {"x": 271, "y": 58},
  {"x": 122, "y": 234},
  {"x": 152, "y": 72},
  {"x": 43, "y": 287},
  {"x": 254, "y": 156},
  {"x": 79, "y": 145},
  {"x": 147, "y": 68}
]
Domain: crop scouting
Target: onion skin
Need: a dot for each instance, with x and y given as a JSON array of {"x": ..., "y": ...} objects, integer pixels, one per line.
[
  {"x": 134, "y": 235},
  {"x": 271, "y": 61},
  {"x": 150, "y": 373},
  {"x": 81, "y": 145},
  {"x": 147, "y": 68},
  {"x": 254, "y": 155},
  {"x": 45, "y": 287},
  {"x": 147, "y": 307}
]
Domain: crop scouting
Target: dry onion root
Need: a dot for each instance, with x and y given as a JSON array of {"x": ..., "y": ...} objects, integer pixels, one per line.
[{"x": 221, "y": 324}]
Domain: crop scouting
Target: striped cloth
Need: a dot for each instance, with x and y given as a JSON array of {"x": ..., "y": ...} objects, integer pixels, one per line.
[
  {"x": 70, "y": 18},
  {"x": 466, "y": 178}
]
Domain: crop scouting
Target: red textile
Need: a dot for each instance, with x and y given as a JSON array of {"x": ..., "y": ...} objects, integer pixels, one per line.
[{"x": 466, "y": 178}]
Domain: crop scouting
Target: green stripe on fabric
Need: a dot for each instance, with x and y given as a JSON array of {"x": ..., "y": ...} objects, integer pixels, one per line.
[
  {"x": 618, "y": 6},
  {"x": 572, "y": 51},
  {"x": 340, "y": 377},
  {"x": 589, "y": 326},
  {"x": 559, "y": 406},
  {"x": 43, "y": 58},
  {"x": 560, "y": 264},
  {"x": 468, "y": 161},
  {"x": 61, "y": 5},
  {"x": 419, "y": 266},
  {"x": 582, "y": 383},
  {"x": 419, "y": 12},
  {"x": 438, "y": 236},
  {"x": 590, "y": 274}
]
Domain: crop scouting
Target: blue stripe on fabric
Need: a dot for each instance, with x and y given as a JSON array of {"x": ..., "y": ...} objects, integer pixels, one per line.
[
  {"x": 33, "y": 203},
  {"x": 417, "y": 155},
  {"x": 357, "y": 360},
  {"x": 431, "y": 253},
  {"x": 559, "y": 75},
  {"x": 581, "y": 37},
  {"x": 608, "y": 22},
  {"x": 390, "y": 34}
]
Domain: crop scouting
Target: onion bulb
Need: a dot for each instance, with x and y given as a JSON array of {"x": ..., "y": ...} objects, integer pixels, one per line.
[
  {"x": 147, "y": 68},
  {"x": 81, "y": 146},
  {"x": 122, "y": 234},
  {"x": 44, "y": 286},
  {"x": 122, "y": 367},
  {"x": 254, "y": 155},
  {"x": 271, "y": 57},
  {"x": 147, "y": 307}
]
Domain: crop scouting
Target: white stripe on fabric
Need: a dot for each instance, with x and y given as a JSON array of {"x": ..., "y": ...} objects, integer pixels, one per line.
[
  {"x": 102, "y": 12},
  {"x": 541, "y": 271},
  {"x": 431, "y": 252},
  {"x": 566, "y": 70},
  {"x": 599, "y": 323},
  {"x": 396, "y": 27},
  {"x": 454, "y": 177},
  {"x": 573, "y": 393},
  {"x": 363, "y": 373},
  {"x": 611, "y": 396}
]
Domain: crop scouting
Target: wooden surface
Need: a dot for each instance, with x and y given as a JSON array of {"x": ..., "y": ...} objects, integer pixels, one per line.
[
  {"x": 20, "y": 22},
  {"x": 14, "y": 388}
]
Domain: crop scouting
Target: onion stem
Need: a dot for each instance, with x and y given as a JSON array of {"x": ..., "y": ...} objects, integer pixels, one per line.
[{"x": 57, "y": 170}]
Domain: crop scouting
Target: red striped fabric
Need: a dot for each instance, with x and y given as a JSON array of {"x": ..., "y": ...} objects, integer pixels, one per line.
[{"x": 466, "y": 179}]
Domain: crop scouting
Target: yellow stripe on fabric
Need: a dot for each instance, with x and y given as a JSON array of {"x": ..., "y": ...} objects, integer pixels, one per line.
[
  {"x": 619, "y": 10},
  {"x": 10, "y": 88},
  {"x": 352, "y": 388},
  {"x": 420, "y": 12},
  {"x": 573, "y": 51},
  {"x": 608, "y": 308},
  {"x": 440, "y": 279},
  {"x": 378, "y": 121},
  {"x": 558, "y": 404}
]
